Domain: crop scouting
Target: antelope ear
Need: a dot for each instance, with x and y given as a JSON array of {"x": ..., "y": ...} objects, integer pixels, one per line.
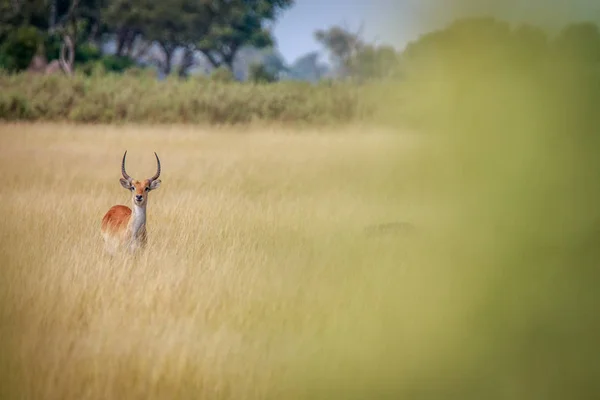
[
  {"x": 125, "y": 183},
  {"x": 154, "y": 184}
]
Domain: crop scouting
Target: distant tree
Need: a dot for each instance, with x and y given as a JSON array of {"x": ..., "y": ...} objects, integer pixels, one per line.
[
  {"x": 374, "y": 62},
  {"x": 126, "y": 20},
  {"x": 478, "y": 44},
  {"x": 427, "y": 45},
  {"x": 217, "y": 29},
  {"x": 475, "y": 46},
  {"x": 59, "y": 23},
  {"x": 260, "y": 73},
  {"x": 248, "y": 56},
  {"x": 274, "y": 64},
  {"x": 236, "y": 24},
  {"x": 342, "y": 46},
  {"x": 20, "y": 13},
  {"x": 354, "y": 58},
  {"x": 81, "y": 19},
  {"x": 579, "y": 42},
  {"x": 531, "y": 45},
  {"x": 18, "y": 48},
  {"x": 308, "y": 67},
  {"x": 171, "y": 25}
]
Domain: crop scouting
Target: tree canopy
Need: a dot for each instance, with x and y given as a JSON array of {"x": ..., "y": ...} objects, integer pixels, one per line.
[
  {"x": 218, "y": 29},
  {"x": 353, "y": 57},
  {"x": 176, "y": 35}
]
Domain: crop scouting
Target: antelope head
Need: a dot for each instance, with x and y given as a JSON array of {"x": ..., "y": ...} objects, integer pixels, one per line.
[{"x": 140, "y": 189}]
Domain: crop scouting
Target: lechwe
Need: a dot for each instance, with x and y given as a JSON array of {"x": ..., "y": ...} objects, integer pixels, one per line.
[{"x": 123, "y": 227}]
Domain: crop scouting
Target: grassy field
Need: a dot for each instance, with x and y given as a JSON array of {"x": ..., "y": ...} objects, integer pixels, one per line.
[
  {"x": 261, "y": 257},
  {"x": 266, "y": 276}
]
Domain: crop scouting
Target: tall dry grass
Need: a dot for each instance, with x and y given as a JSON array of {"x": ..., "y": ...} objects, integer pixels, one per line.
[
  {"x": 257, "y": 250},
  {"x": 263, "y": 279}
]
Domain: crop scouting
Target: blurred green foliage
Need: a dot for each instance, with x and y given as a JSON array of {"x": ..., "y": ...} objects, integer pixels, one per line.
[
  {"x": 18, "y": 47},
  {"x": 141, "y": 98},
  {"x": 505, "y": 300},
  {"x": 259, "y": 73},
  {"x": 222, "y": 74}
]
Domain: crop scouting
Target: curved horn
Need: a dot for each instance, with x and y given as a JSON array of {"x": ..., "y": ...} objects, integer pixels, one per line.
[
  {"x": 123, "y": 168},
  {"x": 157, "y": 168}
]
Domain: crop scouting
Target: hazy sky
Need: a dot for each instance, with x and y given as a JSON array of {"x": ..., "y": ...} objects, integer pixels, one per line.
[
  {"x": 396, "y": 22},
  {"x": 388, "y": 21}
]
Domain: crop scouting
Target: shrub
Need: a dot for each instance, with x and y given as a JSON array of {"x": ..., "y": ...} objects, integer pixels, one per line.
[
  {"x": 86, "y": 53},
  {"x": 114, "y": 63},
  {"x": 222, "y": 74},
  {"x": 260, "y": 74},
  {"x": 111, "y": 98},
  {"x": 19, "y": 48}
]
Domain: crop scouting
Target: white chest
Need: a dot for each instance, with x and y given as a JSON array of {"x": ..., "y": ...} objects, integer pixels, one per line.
[{"x": 137, "y": 223}]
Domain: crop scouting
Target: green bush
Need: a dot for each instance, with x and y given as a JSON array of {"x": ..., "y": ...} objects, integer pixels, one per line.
[
  {"x": 106, "y": 64},
  {"x": 114, "y": 63},
  {"x": 111, "y": 98},
  {"x": 86, "y": 53},
  {"x": 19, "y": 47},
  {"x": 260, "y": 74},
  {"x": 14, "y": 107},
  {"x": 222, "y": 74},
  {"x": 52, "y": 45},
  {"x": 88, "y": 58}
]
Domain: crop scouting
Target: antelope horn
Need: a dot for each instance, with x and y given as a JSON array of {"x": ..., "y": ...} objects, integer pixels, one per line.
[
  {"x": 123, "y": 168},
  {"x": 157, "y": 168}
]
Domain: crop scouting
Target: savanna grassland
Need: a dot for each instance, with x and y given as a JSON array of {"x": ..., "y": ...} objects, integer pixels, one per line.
[
  {"x": 272, "y": 270},
  {"x": 270, "y": 274},
  {"x": 264, "y": 253}
]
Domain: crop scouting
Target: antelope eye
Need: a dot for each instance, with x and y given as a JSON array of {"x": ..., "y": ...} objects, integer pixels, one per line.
[
  {"x": 132, "y": 188},
  {"x": 147, "y": 189}
]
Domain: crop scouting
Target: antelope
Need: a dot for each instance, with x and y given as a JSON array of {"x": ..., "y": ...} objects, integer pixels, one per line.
[{"x": 126, "y": 227}]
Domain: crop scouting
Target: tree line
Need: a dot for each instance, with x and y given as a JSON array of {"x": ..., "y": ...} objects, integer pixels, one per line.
[
  {"x": 173, "y": 36},
  {"x": 464, "y": 46},
  {"x": 467, "y": 46},
  {"x": 217, "y": 29}
]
